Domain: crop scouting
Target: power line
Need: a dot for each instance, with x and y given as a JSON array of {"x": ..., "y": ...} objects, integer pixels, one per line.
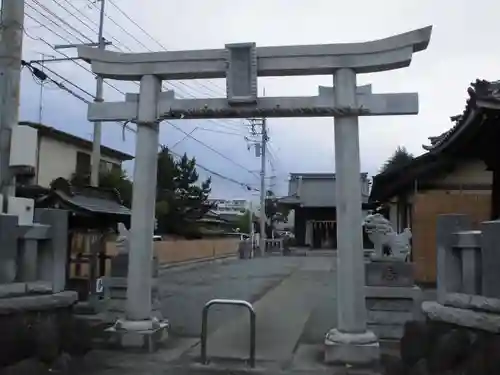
[
  {"x": 75, "y": 61},
  {"x": 80, "y": 12},
  {"x": 218, "y": 123},
  {"x": 65, "y": 79},
  {"x": 41, "y": 76},
  {"x": 35, "y": 9},
  {"x": 62, "y": 53},
  {"x": 61, "y": 19},
  {"x": 212, "y": 149},
  {"x": 63, "y": 87},
  {"x": 151, "y": 37}
]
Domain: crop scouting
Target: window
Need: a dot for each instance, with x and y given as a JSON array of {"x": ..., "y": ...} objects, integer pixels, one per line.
[
  {"x": 116, "y": 167},
  {"x": 104, "y": 166},
  {"x": 82, "y": 167}
]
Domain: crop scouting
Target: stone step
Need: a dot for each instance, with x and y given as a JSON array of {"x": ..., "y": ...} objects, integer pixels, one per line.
[
  {"x": 389, "y": 317},
  {"x": 395, "y": 304}
]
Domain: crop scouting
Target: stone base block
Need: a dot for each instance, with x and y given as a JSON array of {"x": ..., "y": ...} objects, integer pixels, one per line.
[
  {"x": 387, "y": 271},
  {"x": 387, "y": 331},
  {"x": 389, "y": 308},
  {"x": 359, "y": 349},
  {"x": 144, "y": 335}
]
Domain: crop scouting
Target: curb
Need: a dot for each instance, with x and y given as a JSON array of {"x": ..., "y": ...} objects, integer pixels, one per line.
[{"x": 193, "y": 262}]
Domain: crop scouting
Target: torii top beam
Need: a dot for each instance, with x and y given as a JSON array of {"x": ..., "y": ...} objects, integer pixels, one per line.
[{"x": 367, "y": 57}]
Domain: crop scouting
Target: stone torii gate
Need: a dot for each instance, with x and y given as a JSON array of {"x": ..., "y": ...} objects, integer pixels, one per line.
[{"x": 241, "y": 64}]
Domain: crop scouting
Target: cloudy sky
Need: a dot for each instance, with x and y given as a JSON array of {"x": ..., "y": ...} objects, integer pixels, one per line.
[{"x": 460, "y": 51}]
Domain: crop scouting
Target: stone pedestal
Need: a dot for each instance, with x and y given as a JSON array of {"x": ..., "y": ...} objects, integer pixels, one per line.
[
  {"x": 351, "y": 348},
  {"x": 145, "y": 335},
  {"x": 391, "y": 297}
]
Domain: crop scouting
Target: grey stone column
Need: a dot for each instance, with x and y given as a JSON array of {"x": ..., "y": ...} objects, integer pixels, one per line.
[
  {"x": 350, "y": 342},
  {"x": 490, "y": 258},
  {"x": 29, "y": 259},
  {"x": 448, "y": 262},
  {"x": 8, "y": 252},
  {"x": 139, "y": 281},
  {"x": 52, "y": 254}
]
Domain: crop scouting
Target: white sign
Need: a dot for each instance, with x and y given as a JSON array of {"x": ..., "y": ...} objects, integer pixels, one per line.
[{"x": 99, "y": 287}]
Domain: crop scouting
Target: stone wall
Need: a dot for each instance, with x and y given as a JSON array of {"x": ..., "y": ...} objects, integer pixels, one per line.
[
  {"x": 176, "y": 251},
  {"x": 440, "y": 348},
  {"x": 184, "y": 250},
  {"x": 40, "y": 327}
]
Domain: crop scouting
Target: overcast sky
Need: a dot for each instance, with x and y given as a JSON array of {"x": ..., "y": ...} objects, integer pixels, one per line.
[{"x": 461, "y": 50}]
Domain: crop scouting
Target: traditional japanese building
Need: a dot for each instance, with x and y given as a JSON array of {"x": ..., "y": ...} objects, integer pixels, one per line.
[
  {"x": 458, "y": 173},
  {"x": 313, "y": 197}
]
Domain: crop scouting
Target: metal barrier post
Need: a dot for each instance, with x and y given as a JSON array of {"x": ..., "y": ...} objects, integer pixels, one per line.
[{"x": 204, "y": 326}]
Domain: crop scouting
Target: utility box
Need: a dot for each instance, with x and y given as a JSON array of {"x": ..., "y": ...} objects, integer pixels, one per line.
[
  {"x": 23, "y": 208},
  {"x": 23, "y": 146},
  {"x": 241, "y": 73}
]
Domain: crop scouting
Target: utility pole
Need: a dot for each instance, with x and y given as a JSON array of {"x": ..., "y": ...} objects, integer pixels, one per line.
[
  {"x": 252, "y": 229},
  {"x": 96, "y": 141},
  {"x": 40, "y": 100},
  {"x": 11, "y": 45},
  {"x": 97, "y": 134},
  {"x": 263, "y": 146}
]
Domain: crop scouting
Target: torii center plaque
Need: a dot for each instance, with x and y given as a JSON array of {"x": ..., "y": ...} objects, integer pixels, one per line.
[{"x": 241, "y": 65}]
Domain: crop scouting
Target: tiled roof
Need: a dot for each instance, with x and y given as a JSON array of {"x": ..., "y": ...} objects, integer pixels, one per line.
[
  {"x": 481, "y": 91},
  {"x": 483, "y": 103},
  {"x": 95, "y": 204},
  {"x": 90, "y": 199}
]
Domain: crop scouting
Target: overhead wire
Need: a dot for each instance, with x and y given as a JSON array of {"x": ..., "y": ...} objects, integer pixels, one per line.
[
  {"x": 64, "y": 54},
  {"x": 40, "y": 76},
  {"x": 118, "y": 8},
  {"x": 182, "y": 90},
  {"x": 86, "y": 92},
  {"x": 212, "y": 149},
  {"x": 176, "y": 84},
  {"x": 53, "y": 14}
]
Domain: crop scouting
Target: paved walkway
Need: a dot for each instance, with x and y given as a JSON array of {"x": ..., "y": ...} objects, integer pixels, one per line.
[
  {"x": 294, "y": 300},
  {"x": 281, "y": 317},
  {"x": 184, "y": 291}
]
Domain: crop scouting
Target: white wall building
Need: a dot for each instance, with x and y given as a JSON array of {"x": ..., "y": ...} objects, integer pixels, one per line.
[
  {"x": 60, "y": 154},
  {"x": 229, "y": 206}
]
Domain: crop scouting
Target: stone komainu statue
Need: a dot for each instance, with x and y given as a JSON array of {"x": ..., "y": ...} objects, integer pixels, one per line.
[
  {"x": 381, "y": 233},
  {"x": 123, "y": 239}
]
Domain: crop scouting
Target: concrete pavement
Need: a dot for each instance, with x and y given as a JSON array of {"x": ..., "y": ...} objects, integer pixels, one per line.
[
  {"x": 294, "y": 298},
  {"x": 281, "y": 317},
  {"x": 184, "y": 292}
]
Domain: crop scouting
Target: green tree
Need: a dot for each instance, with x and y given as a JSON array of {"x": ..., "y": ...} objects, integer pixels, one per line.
[
  {"x": 180, "y": 199},
  {"x": 245, "y": 222},
  {"x": 399, "y": 158}
]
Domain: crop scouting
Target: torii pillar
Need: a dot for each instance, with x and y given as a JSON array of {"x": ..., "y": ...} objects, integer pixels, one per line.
[{"x": 350, "y": 341}]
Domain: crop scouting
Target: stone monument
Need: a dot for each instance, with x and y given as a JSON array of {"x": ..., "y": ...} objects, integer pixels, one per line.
[
  {"x": 392, "y": 298},
  {"x": 35, "y": 309},
  {"x": 241, "y": 64}
]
